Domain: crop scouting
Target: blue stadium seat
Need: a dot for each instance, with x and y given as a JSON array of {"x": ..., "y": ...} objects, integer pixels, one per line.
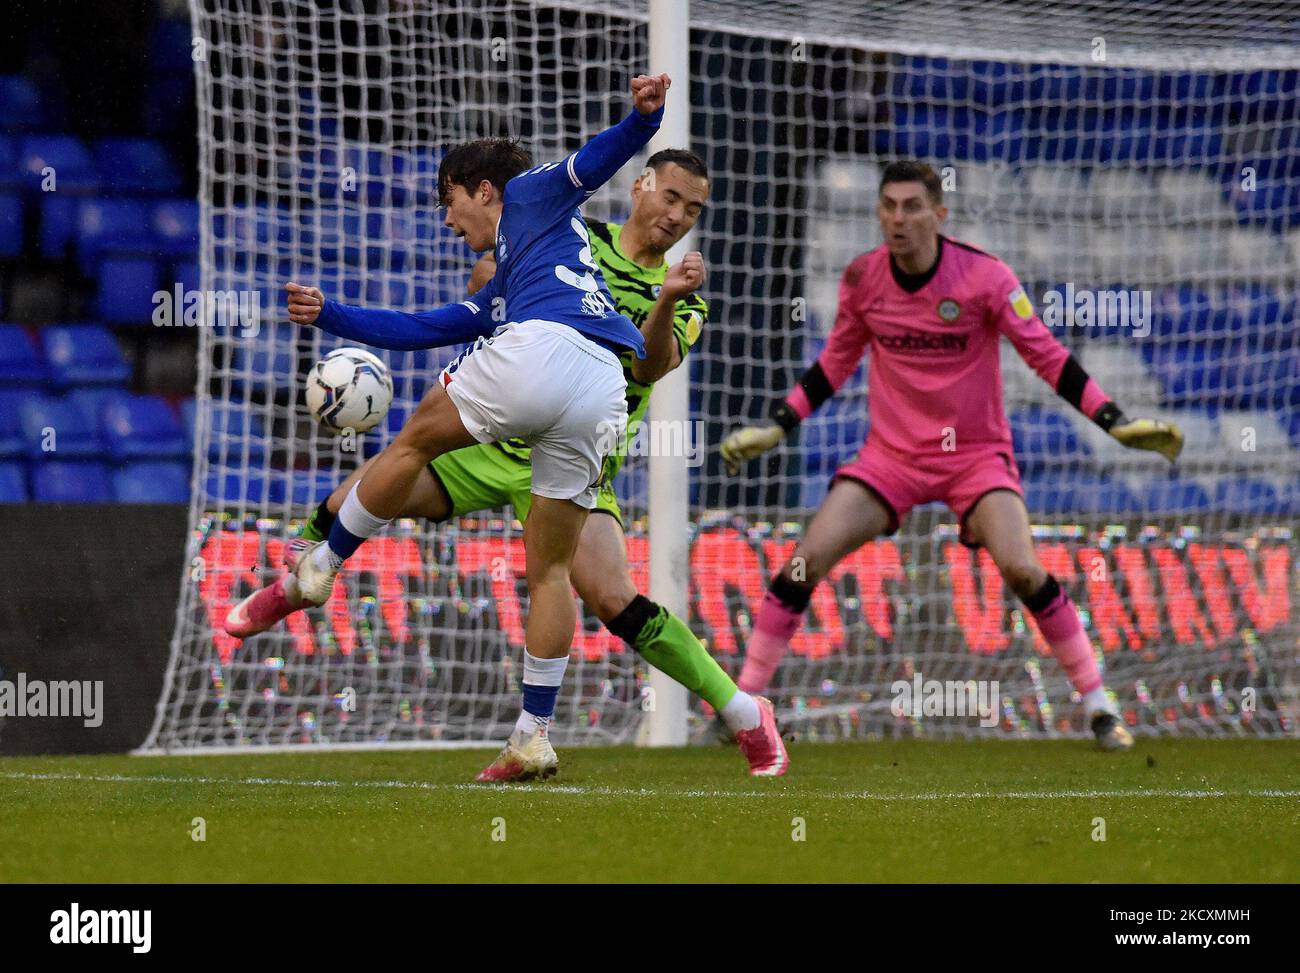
[
  {"x": 176, "y": 227},
  {"x": 236, "y": 432},
  {"x": 1247, "y": 496},
  {"x": 1191, "y": 376},
  {"x": 142, "y": 426},
  {"x": 1093, "y": 494},
  {"x": 1292, "y": 424},
  {"x": 186, "y": 274},
  {"x": 135, "y": 165},
  {"x": 152, "y": 483},
  {"x": 21, "y": 362},
  {"x": 56, "y": 428},
  {"x": 111, "y": 226},
  {"x": 1189, "y": 312},
  {"x": 1177, "y": 495},
  {"x": 1255, "y": 309},
  {"x": 84, "y": 354},
  {"x": 931, "y": 131},
  {"x": 308, "y": 489},
  {"x": 91, "y": 400},
  {"x": 13, "y": 483},
  {"x": 266, "y": 362},
  {"x": 73, "y": 168},
  {"x": 1050, "y": 495},
  {"x": 1290, "y": 499},
  {"x": 126, "y": 289},
  {"x": 1044, "y": 439},
  {"x": 13, "y": 442},
  {"x": 64, "y": 481},
  {"x": 58, "y": 227},
  {"x": 232, "y": 488},
  {"x": 189, "y": 414},
  {"x": 20, "y": 104},
  {"x": 11, "y": 225}
]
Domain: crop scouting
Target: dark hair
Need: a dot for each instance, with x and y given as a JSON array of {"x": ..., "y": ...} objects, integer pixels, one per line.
[
  {"x": 685, "y": 158},
  {"x": 910, "y": 170},
  {"x": 496, "y": 160}
]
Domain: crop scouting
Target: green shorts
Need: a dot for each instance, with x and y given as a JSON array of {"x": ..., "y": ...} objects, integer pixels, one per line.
[{"x": 484, "y": 477}]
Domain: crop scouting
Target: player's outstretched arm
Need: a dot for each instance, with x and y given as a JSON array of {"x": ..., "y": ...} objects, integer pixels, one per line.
[
  {"x": 838, "y": 360},
  {"x": 581, "y": 174},
  {"x": 1060, "y": 369},
  {"x": 596, "y": 162},
  {"x": 399, "y": 330}
]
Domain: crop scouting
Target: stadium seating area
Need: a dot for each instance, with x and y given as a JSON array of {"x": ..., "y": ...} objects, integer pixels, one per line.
[{"x": 110, "y": 217}]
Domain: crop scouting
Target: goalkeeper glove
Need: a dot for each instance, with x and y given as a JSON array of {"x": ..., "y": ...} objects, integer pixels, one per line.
[
  {"x": 749, "y": 443},
  {"x": 1156, "y": 435}
]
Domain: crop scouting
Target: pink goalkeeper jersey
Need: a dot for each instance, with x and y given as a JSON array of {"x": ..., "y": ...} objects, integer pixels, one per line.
[{"x": 934, "y": 350}]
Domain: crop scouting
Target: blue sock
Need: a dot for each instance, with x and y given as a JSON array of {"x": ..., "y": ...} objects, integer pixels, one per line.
[
  {"x": 539, "y": 701},
  {"x": 542, "y": 679},
  {"x": 352, "y": 526},
  {"x": 342, "y": 541}
]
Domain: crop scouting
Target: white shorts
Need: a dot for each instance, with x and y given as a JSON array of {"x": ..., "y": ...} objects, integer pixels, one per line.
[{"x": 549, "y": 385}]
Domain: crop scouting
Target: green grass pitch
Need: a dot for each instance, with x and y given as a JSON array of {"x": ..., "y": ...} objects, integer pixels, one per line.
[{"x": 891, "y": 811}]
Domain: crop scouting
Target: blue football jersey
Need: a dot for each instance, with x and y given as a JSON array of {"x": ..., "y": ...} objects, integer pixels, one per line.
[{"x": 545, "y": 269}]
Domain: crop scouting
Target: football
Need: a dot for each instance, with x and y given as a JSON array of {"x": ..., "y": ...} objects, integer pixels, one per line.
[{"x": 349, "y": 389}]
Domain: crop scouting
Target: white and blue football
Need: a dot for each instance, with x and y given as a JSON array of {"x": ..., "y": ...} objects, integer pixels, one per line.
[{"x": 349, "y": 389}]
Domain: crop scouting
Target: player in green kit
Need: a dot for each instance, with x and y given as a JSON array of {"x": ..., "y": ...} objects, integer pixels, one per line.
[{"x": 661, "y": 301}]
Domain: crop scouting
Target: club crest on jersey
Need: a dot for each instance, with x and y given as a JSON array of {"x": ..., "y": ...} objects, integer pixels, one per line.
[
  {"x": 949, "y": 309},
  {"x": 655, "y": 289}
]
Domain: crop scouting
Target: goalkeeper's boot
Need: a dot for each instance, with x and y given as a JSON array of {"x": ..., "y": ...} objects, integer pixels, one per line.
[
  {"x": 763, "y": 746},
  {"x": 1110, "y": 732},
  {"x": 526, "y": 756}
]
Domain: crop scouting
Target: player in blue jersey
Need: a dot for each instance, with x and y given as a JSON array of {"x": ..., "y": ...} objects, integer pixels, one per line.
[{"x": 543, "y": 367}]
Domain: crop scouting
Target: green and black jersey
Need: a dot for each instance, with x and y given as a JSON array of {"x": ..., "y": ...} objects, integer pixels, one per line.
[{"x": 635, "y": 290}]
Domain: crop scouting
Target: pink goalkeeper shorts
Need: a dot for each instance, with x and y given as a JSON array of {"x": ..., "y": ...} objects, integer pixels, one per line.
[{"x": 958, "y": 480}]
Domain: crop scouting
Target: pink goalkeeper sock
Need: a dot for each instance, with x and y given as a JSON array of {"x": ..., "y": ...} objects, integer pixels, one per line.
[
  {"x": 1059, "y": 622},
  {"x": 773, "y": 630}
]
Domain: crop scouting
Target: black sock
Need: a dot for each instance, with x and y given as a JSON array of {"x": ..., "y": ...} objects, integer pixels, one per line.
[
  {"x": 628, "y": 623},
  {"x": 321, "y": 519},
  {"x": 795, "y": 595}
]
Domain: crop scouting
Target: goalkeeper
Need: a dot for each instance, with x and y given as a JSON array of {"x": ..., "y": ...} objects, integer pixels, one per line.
[
  {"x": 661, "y": 301},
  {"x": 933, "y": 310}
]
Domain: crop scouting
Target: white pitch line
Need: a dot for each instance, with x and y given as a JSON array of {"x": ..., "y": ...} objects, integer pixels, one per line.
[{"x": 580, "y": 791}]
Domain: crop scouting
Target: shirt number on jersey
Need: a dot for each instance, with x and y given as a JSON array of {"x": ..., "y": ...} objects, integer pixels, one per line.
[{"x": 593, "y": 301}]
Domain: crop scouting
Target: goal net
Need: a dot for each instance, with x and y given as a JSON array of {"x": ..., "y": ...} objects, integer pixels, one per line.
[{"x": 1137, "y": 165}]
